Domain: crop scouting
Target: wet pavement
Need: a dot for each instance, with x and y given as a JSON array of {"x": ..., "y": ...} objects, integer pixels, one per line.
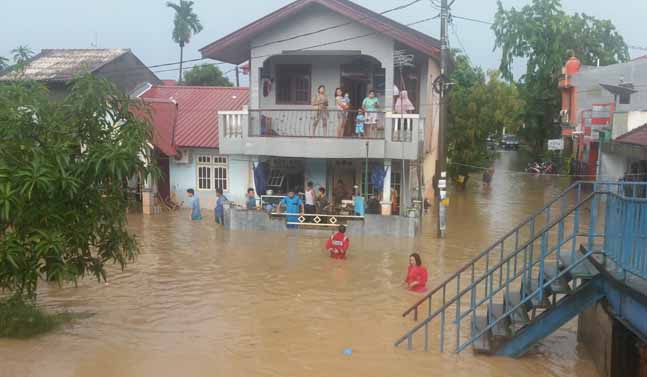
[{"x": 201, "y": 301}]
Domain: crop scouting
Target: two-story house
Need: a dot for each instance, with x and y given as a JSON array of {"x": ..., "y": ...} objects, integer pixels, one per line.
[{"x": 298, "y": 56}]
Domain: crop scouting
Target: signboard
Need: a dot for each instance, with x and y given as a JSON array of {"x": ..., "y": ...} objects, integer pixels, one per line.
[
  {"x": 402, "y": 59},
  {"x": 556, "y": 145},
  {"x": 601, "y": 114}
]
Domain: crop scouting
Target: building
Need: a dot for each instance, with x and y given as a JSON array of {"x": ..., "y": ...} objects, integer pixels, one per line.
[
  {"x": 56, "y": 68},
  {"x": 625, "y": 156},
  {"x": 288, "y": 142},
  {"x": 186, "y": 139},
  {"x": 596, "y": 100}
]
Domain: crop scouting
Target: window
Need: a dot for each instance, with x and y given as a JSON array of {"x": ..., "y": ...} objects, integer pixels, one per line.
[
  {"x": 212, "y": 173},
  {"x": 293, "y": 84}
]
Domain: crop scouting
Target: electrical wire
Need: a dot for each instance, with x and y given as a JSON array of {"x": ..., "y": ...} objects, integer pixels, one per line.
[{"x": 473, "y": 20}]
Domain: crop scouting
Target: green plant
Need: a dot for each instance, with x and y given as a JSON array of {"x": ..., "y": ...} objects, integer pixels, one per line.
[
  {"x": 63, "y": 172},
  {"x": 22, "y": 319},
  {"x": 206, "y": 75}
]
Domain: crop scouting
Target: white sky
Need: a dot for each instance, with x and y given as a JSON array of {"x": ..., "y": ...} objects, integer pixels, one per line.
[{"x": 145, "y": 25}]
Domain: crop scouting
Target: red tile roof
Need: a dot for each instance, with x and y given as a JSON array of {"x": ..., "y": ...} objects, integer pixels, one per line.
[
  {"x": 234, "y": 48},
  {"x": 162, "y": 114},
  {"x": 197, "y": 111},
  {"x": 637, "y": 136}
]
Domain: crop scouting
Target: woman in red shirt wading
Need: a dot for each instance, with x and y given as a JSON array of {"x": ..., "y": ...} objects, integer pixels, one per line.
[
  {"x": 416, "y": 275},
  {"x": 338, "y": 243}
]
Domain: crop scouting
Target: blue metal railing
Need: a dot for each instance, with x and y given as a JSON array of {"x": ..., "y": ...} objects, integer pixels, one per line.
[
  {"x": 625, "y": 241},
  {"x": 549, "y": 237}
]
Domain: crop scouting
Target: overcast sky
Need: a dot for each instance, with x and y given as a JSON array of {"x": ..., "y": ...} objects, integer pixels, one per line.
[{"x": 145, "y": 25}]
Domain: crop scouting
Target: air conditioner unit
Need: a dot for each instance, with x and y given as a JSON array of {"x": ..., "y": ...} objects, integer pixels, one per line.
[{"x": 183, "y": 157}]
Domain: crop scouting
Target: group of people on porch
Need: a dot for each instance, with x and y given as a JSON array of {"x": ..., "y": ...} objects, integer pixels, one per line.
[{"x": 361, "y": 122}]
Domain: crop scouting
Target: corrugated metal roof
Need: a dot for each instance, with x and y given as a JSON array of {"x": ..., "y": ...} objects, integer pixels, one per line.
[
  {"x": 163, "y": 116},
  {"x": 234, "y": 48},
  {"x": 637, "y": 136},
  {"x": 197, "y": 111},
  {"x": 64, "y": 64}
]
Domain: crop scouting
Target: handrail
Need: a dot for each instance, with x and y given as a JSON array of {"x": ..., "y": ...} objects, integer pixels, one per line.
[
  {"x": 490, "y": 272},
  {"x": 476, "y": 258}
]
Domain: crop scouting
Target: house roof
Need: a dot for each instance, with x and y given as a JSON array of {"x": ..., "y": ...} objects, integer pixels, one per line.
[
  {"x": 61, "y": 65},
  {"x": 196, "y": 124},
  {"x": 637, "y": 136},
  {"x": 163, "y": 116},
  {"x": 234, "y": 48}
]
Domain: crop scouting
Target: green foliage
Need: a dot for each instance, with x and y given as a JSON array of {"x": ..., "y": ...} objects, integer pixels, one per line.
[
  {"x": 4, "y": 63},
  {"x": 186, "y": 22},
  {"x": 22, "y": 54},
  {"x": 206, "y": 75},
  {"x": 543, "y": 34},
  {"x": 480, "y": 105},
  {"x": 63, "y": 167},
  {"x": 20, "y": 319}
]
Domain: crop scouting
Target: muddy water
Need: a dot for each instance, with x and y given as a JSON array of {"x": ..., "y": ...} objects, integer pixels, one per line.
[{"x": 201, "y": 301}]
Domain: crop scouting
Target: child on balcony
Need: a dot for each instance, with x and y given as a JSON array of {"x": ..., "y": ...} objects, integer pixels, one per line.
[
  {"x": 338, "y": 244},
  {"x": 359, "y": 123},
  {"x": 371, "y": 106}
]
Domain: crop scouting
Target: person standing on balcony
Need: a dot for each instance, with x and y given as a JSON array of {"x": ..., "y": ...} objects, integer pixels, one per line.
[
  {"x": 359, "y": 123},
  {"x": 371, "y": 106},
  {"x": 342, "y": 111},
  {"x": 323, "y": 205},
  {"x": 310, "y": 198},
  {"x": 320, "y": 104}
]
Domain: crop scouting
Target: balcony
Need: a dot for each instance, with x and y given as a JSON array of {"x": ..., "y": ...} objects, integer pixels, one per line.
[{"x": 318, "y": 134}]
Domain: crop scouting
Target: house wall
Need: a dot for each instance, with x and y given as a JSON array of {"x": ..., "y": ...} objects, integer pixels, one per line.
[
  {"x": 184, "y": 176},
  {"x": 589, "y": 91},
  {"x": 127, "y": 72},
  {"x": 316, "y": 17},
  {"x": 612, "y": 166},
  {"x": 624, "y": 122},
  {"x": 316, "y": 171}
]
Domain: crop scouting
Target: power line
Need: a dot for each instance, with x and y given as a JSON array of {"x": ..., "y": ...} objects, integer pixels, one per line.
[
  {"x": 473, "y": 20},
  {"x": 458, "y": 39},
  {"x": 346, "y": 39},
  {"x": 400, "y": 7},
  {"x": 637, "y": 48}
]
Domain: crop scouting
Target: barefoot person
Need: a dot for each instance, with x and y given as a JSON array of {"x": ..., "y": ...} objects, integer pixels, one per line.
[
  {"x": 320, "y": 104},
  {"x": 416, "y": 275},
  {"x": 338, "y": 244}
]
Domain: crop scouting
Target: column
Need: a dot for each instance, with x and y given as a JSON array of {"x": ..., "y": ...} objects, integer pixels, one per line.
[
  {"x": 147, "y": 197},
  {"x": 386, "y": 190}
]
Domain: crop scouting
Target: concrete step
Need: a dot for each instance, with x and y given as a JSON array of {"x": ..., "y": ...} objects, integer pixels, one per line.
[
  {"x": 519, "y": 318},
  {"x": 559, "y": 286},
  {"x": 502, "y": 328},
  {"x": 482, "y": 344}
]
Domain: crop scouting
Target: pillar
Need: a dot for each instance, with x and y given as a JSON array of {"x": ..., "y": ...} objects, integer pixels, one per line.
[
  {"x": 386, "y": 190},
  {"x": 148, "y": 202}
]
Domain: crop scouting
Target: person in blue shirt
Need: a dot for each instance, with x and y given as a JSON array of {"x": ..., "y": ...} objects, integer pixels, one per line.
[
  {"x": 220, "y": 207},
  {"x": 195, "y": 205},
  {"x": 251, "y": 199},
  {"x": 293, "y": 205}
]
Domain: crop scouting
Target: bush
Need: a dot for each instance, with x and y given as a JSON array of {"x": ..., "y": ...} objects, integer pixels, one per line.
[{"x": 20, "y": 319}]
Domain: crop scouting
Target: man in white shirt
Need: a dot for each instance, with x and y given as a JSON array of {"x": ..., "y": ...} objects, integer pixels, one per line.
[{"x": 310, "y": 199}]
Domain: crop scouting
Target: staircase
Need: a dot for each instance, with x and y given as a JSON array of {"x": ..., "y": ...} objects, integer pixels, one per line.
[{"x": 528, "y": 283}]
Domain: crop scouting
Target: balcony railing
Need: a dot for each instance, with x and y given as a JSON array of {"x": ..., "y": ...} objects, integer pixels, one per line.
[{"x": 314, "y": 124}]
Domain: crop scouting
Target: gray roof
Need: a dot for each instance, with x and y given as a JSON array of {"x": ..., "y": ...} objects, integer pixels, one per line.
[{"x": 64, "y": 64}]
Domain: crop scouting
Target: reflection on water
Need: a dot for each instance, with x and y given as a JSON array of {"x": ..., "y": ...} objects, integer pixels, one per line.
[{"x": 201, "y": 301}]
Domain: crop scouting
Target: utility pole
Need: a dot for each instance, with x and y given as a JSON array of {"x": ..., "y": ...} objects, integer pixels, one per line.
[
  {"x": 441, "y": 164},
  {"x": 237, "y": 78}
]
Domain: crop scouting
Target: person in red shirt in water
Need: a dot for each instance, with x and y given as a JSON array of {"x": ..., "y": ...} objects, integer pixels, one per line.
[
  {"x": 416, "y": 275},
  {"x": 338, "y": 243}
]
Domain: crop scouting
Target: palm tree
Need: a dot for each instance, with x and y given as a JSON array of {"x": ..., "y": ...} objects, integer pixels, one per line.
[
  {"x": 185, "y": 24},
  {"x": 4, "y": 63},
  {"x": 21, "y": 54}
]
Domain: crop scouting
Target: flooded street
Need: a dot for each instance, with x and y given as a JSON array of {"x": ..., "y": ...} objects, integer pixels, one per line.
[{"x": 201, "y": 301}]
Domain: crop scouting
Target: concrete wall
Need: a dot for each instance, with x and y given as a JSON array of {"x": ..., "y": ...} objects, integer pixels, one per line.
[
  {"x": 184, "y": 176},
  {"x": 624, "y": 122},
  {"x": 316, "y": 171},
  {"x": 612, "y": 166},
  {"x": 317, "y": 17},
  {"x": 373, "y": 225},
  {"x": 595, "y": 331}
]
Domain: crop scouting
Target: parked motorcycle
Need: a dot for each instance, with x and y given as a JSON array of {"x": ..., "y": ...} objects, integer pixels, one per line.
[{"x": 541, "y": 167}]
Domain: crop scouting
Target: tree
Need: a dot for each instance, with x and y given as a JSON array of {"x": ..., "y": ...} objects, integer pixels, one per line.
[
  {"x": 63, "y": 168},
  {"x": 185, "y": 24},
  {"x": 22, "y": 54},
  {"x": 206, "y": 75},
  {"x": 480, "y": 105},
  {"x": 542, "y": 34},
  {"x": 4, "y": 63}
]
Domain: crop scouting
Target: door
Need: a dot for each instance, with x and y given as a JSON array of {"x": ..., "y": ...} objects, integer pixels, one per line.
[{"x": 163, "y": 183}]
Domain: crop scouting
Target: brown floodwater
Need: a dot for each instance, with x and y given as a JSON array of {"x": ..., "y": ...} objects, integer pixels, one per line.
[{"x": 201, "y": 301}]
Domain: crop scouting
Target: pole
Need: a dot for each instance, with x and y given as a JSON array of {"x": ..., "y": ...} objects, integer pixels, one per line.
[
  {"x": 366, "y": 174},
  {"x": 441, "y": 164},
  {"x": 237, "y": 78}
]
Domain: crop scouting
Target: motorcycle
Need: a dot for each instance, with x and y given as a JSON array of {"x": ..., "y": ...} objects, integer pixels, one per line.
[{"x": 543, "y": 167}]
